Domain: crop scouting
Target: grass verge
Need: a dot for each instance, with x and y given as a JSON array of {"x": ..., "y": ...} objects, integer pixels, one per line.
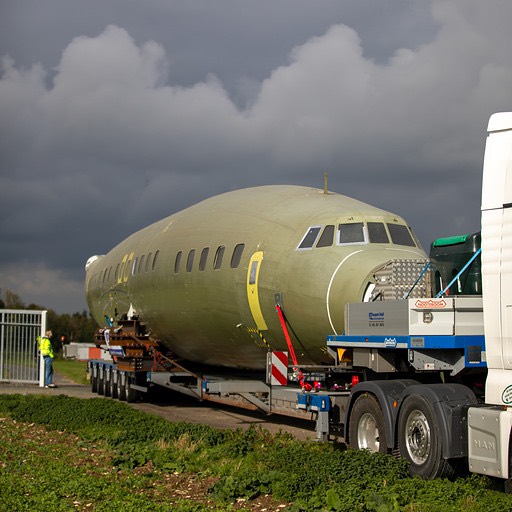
[
  {"x": 62, "y": 453},
  {"x": 72, "y": 369}
]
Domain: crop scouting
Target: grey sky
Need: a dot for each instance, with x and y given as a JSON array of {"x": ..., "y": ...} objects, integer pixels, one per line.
[{"x": 115, "y": 113}]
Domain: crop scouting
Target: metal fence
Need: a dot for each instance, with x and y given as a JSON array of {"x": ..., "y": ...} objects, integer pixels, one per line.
[{"x": 20, "y": 360}]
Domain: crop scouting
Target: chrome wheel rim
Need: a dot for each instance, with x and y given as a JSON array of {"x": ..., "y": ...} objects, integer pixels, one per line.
[
  {"x": 418, "y": 437},
  {"x": 368, "y": 433}
]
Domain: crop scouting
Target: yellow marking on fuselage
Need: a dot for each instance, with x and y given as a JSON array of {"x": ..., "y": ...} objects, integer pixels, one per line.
[
  {"x": 121, "y": 269},
  {"x": 127, "y": 268},
  {"x": 253, "y": 273}
]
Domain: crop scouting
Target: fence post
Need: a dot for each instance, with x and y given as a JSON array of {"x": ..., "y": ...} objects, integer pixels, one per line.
[{"x": 41, "y": 359}]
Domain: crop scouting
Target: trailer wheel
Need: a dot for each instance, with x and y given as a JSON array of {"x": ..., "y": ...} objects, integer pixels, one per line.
[
  {"x": 108, "y": 380},
  {"x": 101, "y": 381},
  {"x": 121, "y": 393},
  {"x": 113, "y": 383},
  {"x": 367, "y": 430},
  {"x": 419, "y": 439},
  {"x": 131, "y": 394},
  {"x": 94, "y": 378}
]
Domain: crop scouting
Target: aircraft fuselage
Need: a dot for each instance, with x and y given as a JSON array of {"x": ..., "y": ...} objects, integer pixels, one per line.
[{"x": 206, "y": 280}]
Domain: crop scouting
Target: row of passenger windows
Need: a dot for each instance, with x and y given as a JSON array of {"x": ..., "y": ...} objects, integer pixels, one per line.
[
  {"x": 236, "y": 257},
  {"x": 356, "y": 233},
  {"x": 131, "y": 265}
]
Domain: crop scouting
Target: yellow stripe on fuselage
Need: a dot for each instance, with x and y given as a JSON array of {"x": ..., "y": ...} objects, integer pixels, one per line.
[{"x": 252, "y": 290}]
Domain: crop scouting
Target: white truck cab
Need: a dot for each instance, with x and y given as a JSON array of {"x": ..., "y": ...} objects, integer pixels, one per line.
[{"x": 490, "y": 428}]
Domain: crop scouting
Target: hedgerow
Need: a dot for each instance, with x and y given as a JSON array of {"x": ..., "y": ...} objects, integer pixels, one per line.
[{"x": 247, "y": 463}]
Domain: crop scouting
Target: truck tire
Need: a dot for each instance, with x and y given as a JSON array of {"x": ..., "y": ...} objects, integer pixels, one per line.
[
  {"x": 419, "y": 439},
  {"x": 367, "y": 430}
]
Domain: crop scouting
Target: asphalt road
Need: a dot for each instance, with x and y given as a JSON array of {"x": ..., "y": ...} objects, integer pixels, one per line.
[{"x": 177, "y": 407}]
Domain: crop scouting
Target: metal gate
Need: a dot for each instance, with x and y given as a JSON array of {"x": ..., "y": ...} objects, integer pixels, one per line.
[{"x": 20, "y": 360}]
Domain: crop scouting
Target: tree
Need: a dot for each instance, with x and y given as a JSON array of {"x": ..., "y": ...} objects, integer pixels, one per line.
[
  {"x": 13, "y": 300},
  {"x": 66, "y": 328}
]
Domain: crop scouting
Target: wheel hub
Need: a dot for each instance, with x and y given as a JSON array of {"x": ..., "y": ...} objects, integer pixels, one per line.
[{"x": 418, "y": 437}]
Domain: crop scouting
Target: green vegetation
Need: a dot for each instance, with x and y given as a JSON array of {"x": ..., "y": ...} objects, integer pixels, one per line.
[
  {"x": 62, "y": 453},
  {"x": 72, "y": 369}
]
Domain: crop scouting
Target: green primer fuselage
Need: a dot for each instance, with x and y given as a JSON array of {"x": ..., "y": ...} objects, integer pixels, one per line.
[{"x": 218, "y": 316}]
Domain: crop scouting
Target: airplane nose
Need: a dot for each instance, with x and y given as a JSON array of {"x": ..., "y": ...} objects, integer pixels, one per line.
[{"x": 364, "y": 278}]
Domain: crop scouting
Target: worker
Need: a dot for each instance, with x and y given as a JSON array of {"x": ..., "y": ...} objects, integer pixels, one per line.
[{"x": 44, "y": 344}]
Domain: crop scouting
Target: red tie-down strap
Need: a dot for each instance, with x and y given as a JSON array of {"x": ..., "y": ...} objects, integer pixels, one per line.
[{"x": 296, "y": 369}]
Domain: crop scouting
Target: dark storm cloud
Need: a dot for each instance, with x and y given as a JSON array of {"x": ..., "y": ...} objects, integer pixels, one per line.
[{"x": 133, "y": 121}]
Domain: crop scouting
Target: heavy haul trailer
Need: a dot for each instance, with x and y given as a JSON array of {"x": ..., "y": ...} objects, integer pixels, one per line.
[
  {"x": 428, "y": 378},
  {"x": 139, "y": 364}
]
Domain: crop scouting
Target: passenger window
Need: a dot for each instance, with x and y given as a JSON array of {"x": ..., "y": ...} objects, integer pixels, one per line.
[
  {"x": 134, "y": 267},
  {"x": 121, "y": 271},
  {"x": 377, "y": 233},
  {"x": 203, "y": 258},
  {"x": 141, "y": 264},
  {"x": 147, "y": 261},
  {"x": 154, "y": 260},
  {"x": 126, "y": 271},
  {"x": 327, "y": 237},
  {"x": 190, "y": 260},
  {"x": 310, "y": 237},
  {"x": 177, "y": 262},
  {"x": 400, "y": 235},
  {"x": 352, "y": 233},
  {"x": 217, "y": 261},
  {"x": 117, "y": 272},
  {"x": 237, "y": 255}
]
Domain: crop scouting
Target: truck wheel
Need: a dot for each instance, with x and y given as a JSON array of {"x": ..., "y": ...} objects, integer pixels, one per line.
[
  {"x": 419, "y": 439},
  {"x": 367, "y": 430}
]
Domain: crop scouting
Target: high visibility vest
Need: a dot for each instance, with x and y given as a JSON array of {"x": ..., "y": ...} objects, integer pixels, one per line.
[{"x": 45, "y": 346}]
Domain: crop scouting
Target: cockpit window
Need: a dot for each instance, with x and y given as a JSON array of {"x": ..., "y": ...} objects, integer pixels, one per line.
[
  {"x": 352, "y": 233},
  {"x": 310, "y": 237},
  {"x": 415, "y": 238},
  {"x": 327, "y": 236},
  {"x": 400, "y": 235},
  {"x": 377, "y": 233}
]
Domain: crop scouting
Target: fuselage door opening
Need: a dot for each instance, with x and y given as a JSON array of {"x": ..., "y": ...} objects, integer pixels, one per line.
[{"x": 253, "y": 298}]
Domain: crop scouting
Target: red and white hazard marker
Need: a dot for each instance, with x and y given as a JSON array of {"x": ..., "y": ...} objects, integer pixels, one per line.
[{"x": 279, "y": 375}]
